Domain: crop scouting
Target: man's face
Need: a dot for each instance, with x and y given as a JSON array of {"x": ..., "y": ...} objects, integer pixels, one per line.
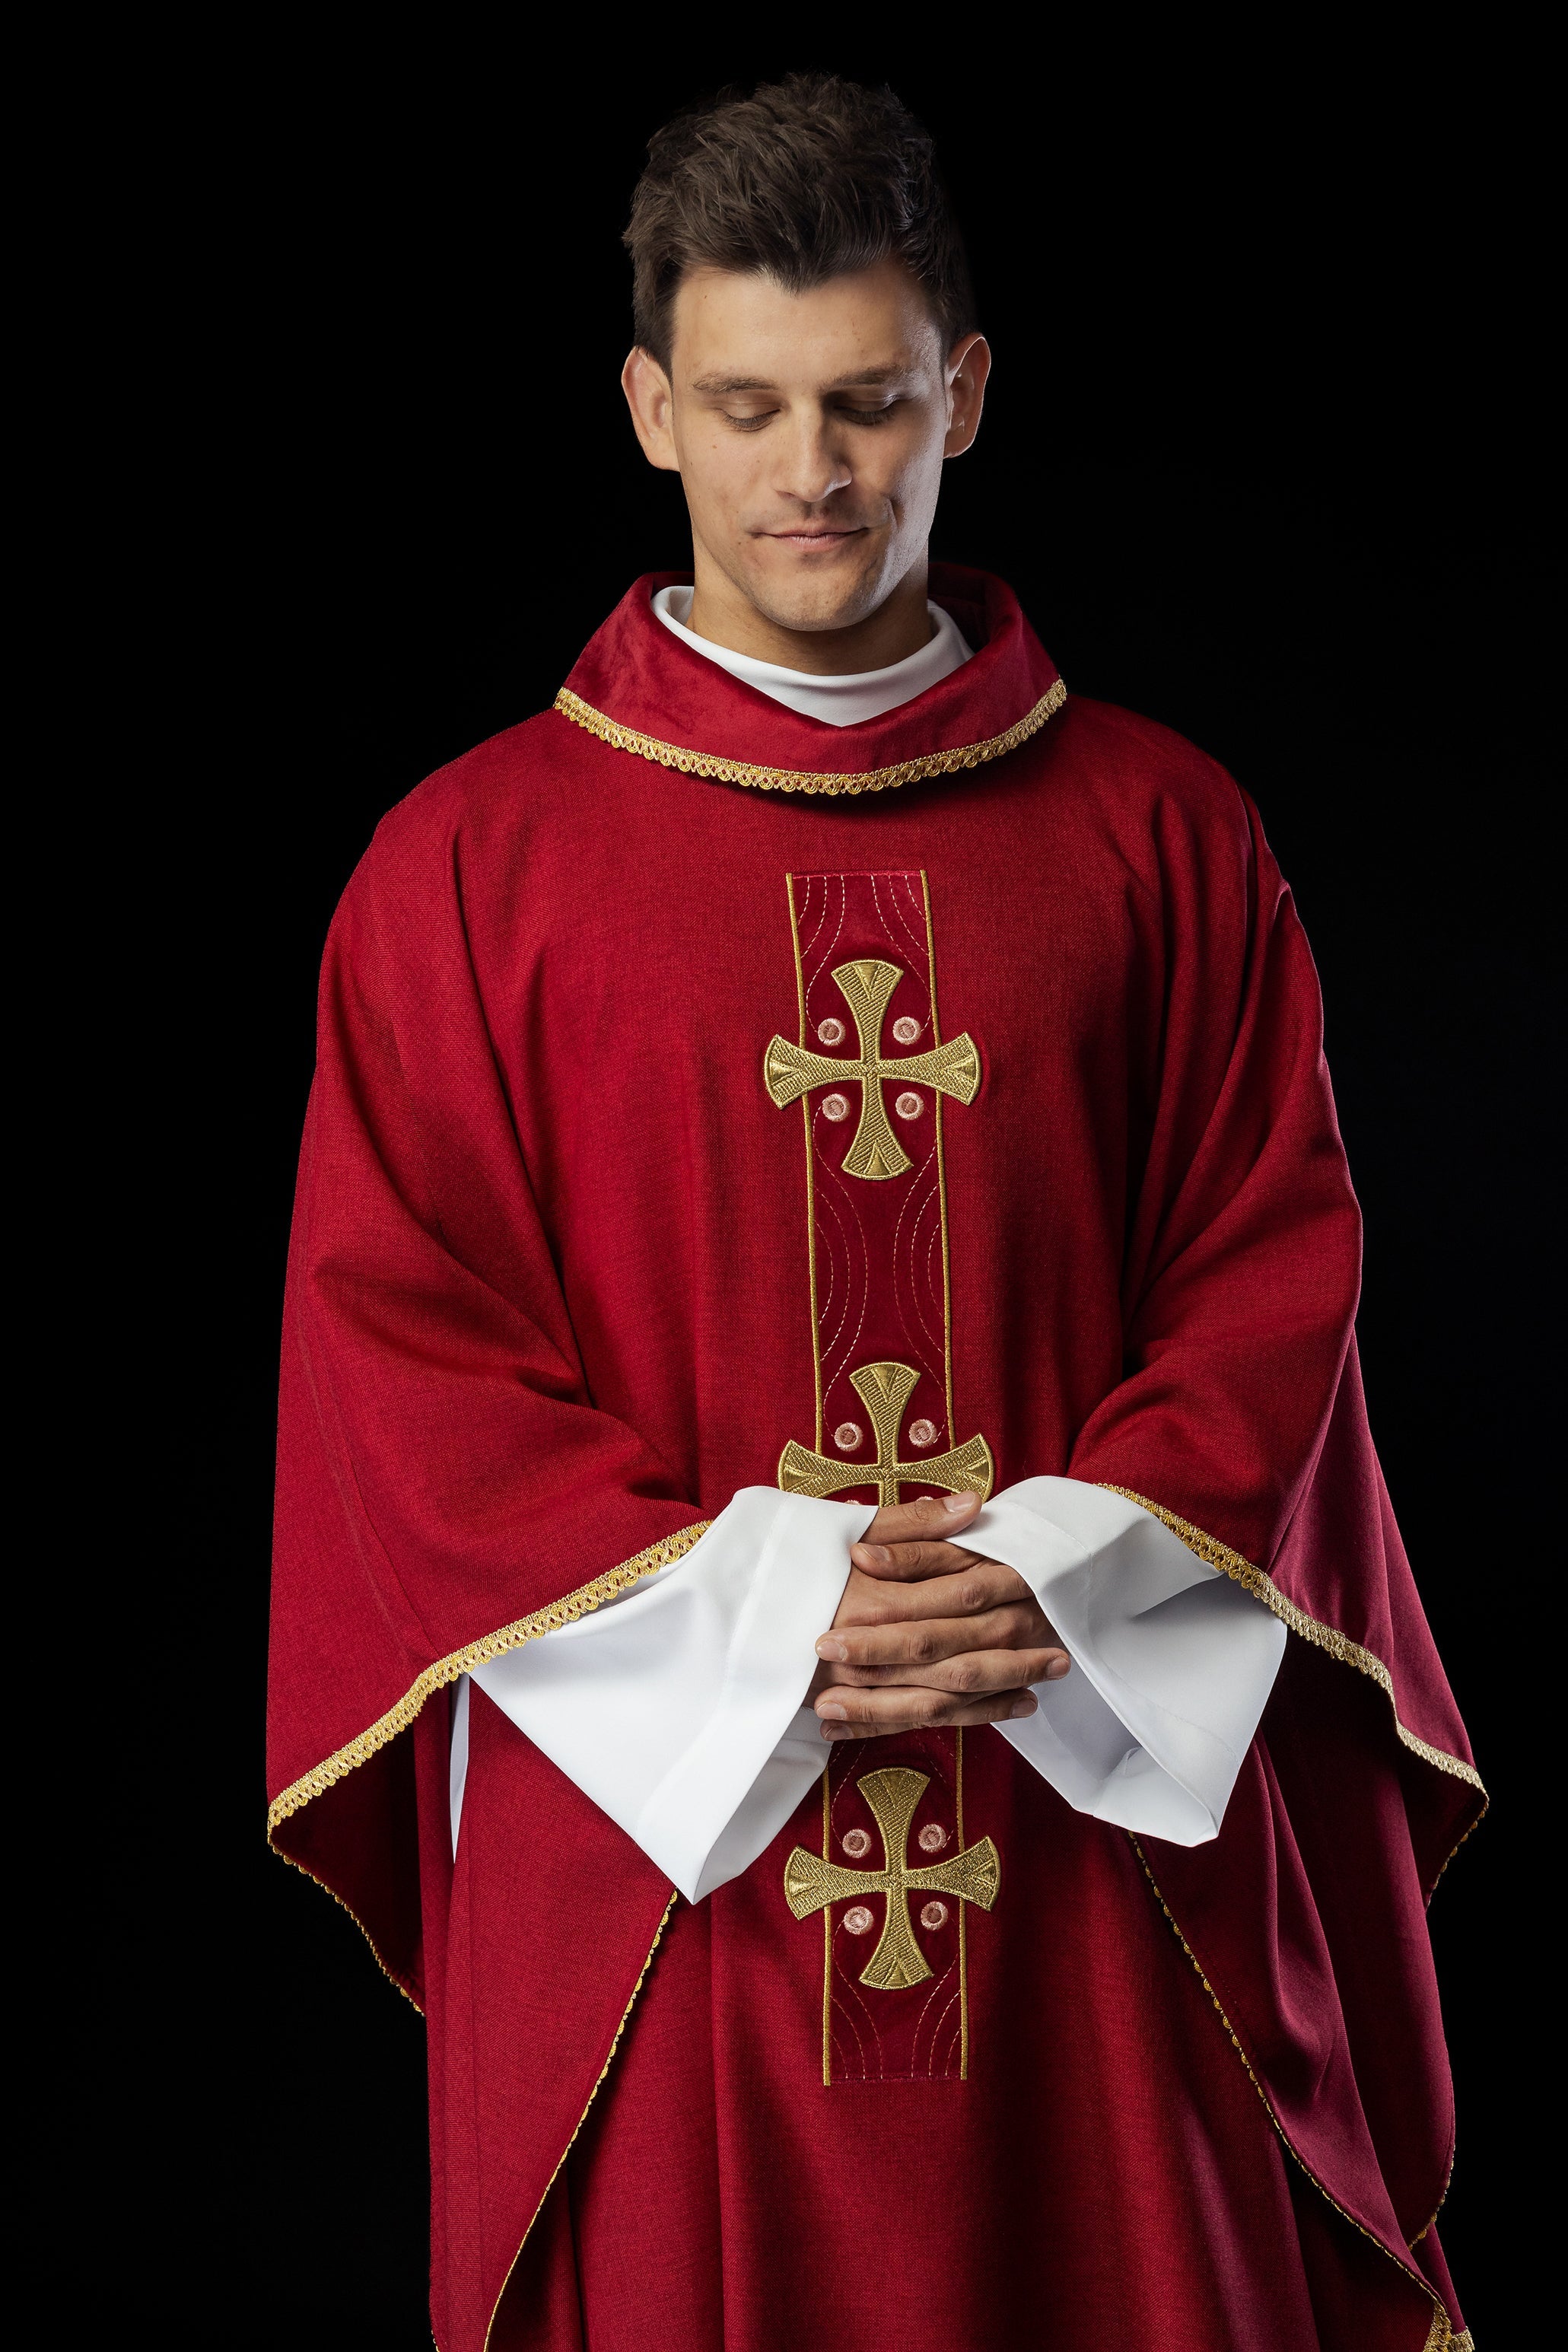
[{"x": 809, "y": 431}]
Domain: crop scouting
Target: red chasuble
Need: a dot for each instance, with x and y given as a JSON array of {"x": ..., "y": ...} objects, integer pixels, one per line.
[{"x": 711, "y": 1098}]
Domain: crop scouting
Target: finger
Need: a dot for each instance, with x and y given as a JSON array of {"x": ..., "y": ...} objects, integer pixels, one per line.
[
  {"x": 877, "y": 1601},
  {"x": 976, "y": 1672},
  {"x": 907, "y": 1562},
  {"x": 925, "y": 1641},
  {"x": 932, "y": 1515},
  {"x": 876, "y": 1713}
]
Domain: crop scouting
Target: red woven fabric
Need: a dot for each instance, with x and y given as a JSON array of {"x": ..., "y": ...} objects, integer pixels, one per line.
[
  {"x": 548, "y": 1305},
  {"x": 1101, "y": 2183}
]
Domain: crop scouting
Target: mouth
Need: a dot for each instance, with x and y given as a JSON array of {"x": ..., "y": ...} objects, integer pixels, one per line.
[{"x": 816, "y": 537}]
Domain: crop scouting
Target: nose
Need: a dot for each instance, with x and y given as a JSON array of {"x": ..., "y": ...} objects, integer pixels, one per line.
[{"x": 810, "y": 468}]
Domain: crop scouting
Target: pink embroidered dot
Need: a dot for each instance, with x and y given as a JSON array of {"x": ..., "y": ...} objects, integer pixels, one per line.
[
  {"x": 906, "y": 1029},
  {"x": 933, "y": 1838},
  {"x": 831, "y": 1030},
  {"x": 922, "y": 1432},
  {"x": 857, "y": 1842},
  {"x": 858, "y": 1919},
  {"x": 835, "y": 1106},
  {"x": 908, "y": 1106},
  {"x": 934, "y": 1915},
  {"x": 847, "y": 1436}
]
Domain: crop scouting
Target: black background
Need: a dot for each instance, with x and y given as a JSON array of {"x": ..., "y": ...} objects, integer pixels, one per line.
[{"x": 1262, "y": 458}]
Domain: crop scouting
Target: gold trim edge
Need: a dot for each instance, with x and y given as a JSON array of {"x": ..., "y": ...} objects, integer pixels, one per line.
[
  {"x": 395, "y": 1981},
  {"x": 386, "y": 1729},
  {"x": 1311, "y": 1629},
  {"x": 599, "y": 2085},
  {"x": 1442, "y": 2335},
  {"x": 806, "y": 779}
]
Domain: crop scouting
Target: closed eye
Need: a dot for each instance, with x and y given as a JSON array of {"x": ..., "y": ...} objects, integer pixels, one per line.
[{"x": 853, "y": 411}]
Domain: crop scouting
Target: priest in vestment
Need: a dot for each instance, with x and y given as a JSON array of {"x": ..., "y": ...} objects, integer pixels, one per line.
[{"x": 836, "y": 1620}]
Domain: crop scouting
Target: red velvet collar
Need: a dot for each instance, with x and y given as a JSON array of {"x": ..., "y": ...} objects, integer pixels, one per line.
[{"x": 637, "y": 687}]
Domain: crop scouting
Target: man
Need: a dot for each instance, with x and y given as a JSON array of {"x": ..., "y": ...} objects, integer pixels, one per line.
[{"x": 927, "y": 1843}]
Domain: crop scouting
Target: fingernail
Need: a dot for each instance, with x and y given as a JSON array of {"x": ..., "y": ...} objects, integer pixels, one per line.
[
  {"x": 1021, "y": 1706},
  {"x": 873, "y": 1555},
  {"x": 1057, "y": 1668},
  {"x": 830, "y": 1648},
  {"x": 836, "y": 1731},
  {"x": 956, "y": 1502},
  {"x": 832, "y": 1713}
]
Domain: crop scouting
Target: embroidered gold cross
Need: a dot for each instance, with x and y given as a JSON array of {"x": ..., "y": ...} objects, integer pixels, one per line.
[
  {"x": 884, "y": 1389},
  {"x": 790, "y": 1071},
  {"x": 973, "y": 1876}
]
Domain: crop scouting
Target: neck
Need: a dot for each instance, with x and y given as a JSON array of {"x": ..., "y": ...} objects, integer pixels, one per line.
[{"x": 899, "y": 626}]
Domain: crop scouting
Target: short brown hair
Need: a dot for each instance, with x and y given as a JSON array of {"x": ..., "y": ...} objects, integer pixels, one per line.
[{"x": 804, "y": 180}]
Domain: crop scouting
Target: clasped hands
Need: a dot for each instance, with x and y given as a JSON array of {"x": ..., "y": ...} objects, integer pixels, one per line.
[{"x": 930, "y": 1632}]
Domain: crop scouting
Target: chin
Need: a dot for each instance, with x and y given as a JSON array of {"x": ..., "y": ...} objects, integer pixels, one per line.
[{"x": 830, "y": 600}]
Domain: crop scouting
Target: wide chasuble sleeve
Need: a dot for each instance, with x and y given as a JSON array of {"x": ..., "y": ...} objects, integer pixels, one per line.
[{"x": 548, "y": 1311}]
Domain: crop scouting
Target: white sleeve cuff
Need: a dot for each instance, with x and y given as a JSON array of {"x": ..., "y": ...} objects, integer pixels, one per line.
[
  {"x": 1173, "y": 1662},
  {"x": 678, "y": 1708}
]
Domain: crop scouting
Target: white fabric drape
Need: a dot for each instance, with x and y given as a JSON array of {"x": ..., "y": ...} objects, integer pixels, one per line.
[
  {"x": 840, "y": 702},
  {"x": 671, "y": 1706},
  {"x": 678, "y": 1708}
]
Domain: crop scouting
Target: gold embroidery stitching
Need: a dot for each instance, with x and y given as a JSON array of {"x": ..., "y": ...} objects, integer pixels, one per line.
[
  {"x": 790, "y": 1072},
  {"x": 582, "y": 2119},
  {"x": 975, "y": 1457},
  {"x": 1441, "y": 2337},
  {"x": 884, "y": 1389},
  {"x": 805, "y": 780},
  {"x": 810, "y": 1179},
  {"x": 828, "y": 1936},
  {"x": 1327, "y": 1637},
  {"x": 962, "y": 1913},
  {"x": 587, "y": 1597},
  {"x": 970, "y": 1876},
  {"x": 947, "y": 1264}
]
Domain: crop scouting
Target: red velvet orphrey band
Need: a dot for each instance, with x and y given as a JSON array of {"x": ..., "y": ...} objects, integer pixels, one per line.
[{"x": 567, "y": 1272}]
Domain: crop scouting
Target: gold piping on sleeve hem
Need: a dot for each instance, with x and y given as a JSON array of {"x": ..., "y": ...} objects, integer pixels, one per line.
[
  {"x": 396, "y": 1982},
  {"x": 1441, "y": 2336},
  {"x": 566, "y": 2151},
  {"x": 1327, "y": 1637},
  {"x": 586, "y": 1597},
  {"x": 806, "y": 779}
]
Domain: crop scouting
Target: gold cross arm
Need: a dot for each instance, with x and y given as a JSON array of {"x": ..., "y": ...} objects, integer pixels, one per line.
[
  {"x": 884, "y": 1389},
  {"x": 971, "y": 1876},
  {"x": 790, "y": 1071}
]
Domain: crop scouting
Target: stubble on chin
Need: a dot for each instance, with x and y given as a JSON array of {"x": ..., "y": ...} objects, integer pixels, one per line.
[{"x": 839, "y": 599}]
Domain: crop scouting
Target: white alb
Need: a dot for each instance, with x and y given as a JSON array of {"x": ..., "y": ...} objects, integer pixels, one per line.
[
  {"x": 679, "y": 1707},
  {"x": 840, "y": 702}
]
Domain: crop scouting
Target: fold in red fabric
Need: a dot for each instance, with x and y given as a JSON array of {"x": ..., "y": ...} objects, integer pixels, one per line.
[
  {"x": 638, "y": 674},
  {"x": 1100, "y": 2182},
  {"x": 548, "y": 1308}
]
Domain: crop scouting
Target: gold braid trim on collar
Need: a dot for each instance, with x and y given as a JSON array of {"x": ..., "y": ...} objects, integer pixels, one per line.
[
  {"x": 805, "y": 780},
  {"x": 397, "y": 1718},
  {"x": 1327, "y": 1637}
]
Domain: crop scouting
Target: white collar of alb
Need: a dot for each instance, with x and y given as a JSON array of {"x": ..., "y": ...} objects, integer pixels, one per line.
[{"x": 838, "y": 701}]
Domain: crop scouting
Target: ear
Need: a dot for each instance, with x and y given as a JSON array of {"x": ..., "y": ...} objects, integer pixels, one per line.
[
  {"x": 648, "y": 396},
  {"x": 968, "y": 365}
]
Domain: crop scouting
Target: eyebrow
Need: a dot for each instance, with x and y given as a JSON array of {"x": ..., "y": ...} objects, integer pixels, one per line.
[{"x": 889, "y": 373}]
